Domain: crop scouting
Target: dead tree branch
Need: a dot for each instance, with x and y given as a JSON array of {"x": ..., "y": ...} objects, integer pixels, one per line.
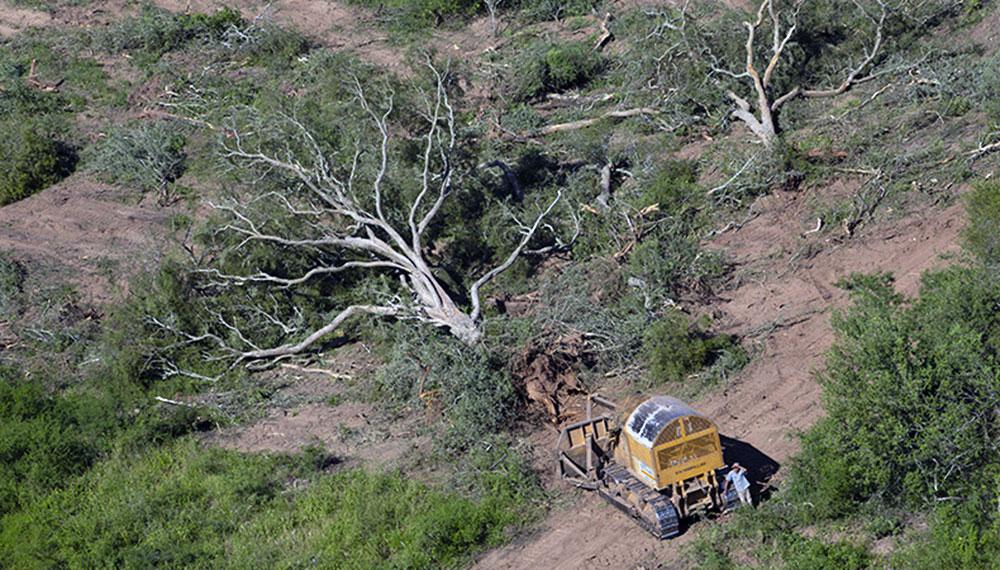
[
  {"x": 606, "y": 34},
  {"x": 986, "y": 147},
  {"x": 762, "y": 117},
  {"x": 583, "y": 123},
  {"x": 340, "y": 215}
]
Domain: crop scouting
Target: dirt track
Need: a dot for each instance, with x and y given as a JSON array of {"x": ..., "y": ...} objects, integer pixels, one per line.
[{"x": 787, "y": 310}]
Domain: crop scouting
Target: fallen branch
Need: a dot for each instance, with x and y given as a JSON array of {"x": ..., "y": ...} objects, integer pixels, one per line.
[
  {"x": 733, "y": 178},
  {"x": 581, "y": 98},
  {"x": 606, "y": 34},
  {"x": 32, "y": 80},
  {"x": 330, "y": 373},
  {"x": 173, "y": 402},
  {"x": 984, "y": 149},
  {"x": 156, "y": 114},
  {"x": 819, "y": 225},
  {"x": 605, "y": 196},
  {"x": 584, "y": 123}
]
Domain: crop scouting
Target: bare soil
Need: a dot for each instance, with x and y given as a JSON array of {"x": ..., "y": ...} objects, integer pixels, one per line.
[
  {"x": 349, "y": 431},
  {"x": 88, "y": 233},
  {"x": 13, "y": 20},
  {"x": 309, "y": 410}
]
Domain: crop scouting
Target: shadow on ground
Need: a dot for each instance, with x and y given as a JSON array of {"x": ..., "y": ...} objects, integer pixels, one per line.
[{"x": 760, "y": 467}]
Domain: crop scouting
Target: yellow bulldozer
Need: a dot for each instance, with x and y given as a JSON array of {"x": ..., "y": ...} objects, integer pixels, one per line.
[{"x": 665, "y": 464}]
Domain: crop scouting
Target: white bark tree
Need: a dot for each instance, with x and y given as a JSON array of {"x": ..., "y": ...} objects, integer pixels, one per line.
[
  {"x": 340, "y": 212},
  {"x": 761, "y": 117},
  {"x": 492, "y": 6}
]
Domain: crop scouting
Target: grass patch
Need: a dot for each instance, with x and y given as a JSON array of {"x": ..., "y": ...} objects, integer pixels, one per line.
[{"x": 182, "y": 505}]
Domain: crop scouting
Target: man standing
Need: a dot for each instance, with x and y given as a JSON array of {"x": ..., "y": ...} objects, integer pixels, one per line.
[{"x": 737, "y": 477}]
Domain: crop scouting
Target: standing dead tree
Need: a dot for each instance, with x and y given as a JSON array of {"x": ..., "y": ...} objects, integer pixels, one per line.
[
  {"x": 762, "y": 117},
  {"x": 351, "y": 218}
]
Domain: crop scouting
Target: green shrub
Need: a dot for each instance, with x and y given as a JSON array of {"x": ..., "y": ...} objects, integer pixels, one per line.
[
  {"x": 771, "y": 537},
  {"x": 183, "y": 505},
  {"x": 982, "y": 235},
  {"x": 419, "y": 15},
  {"x": 265, "y": 44},
  {"x": 12, "y": 275},
  {"x": 146, "y": 155},
  {"x": 541, "y": 10},
  {"x": 673, "y": 186},
  {"x": 361, "y": 520},
  {"x": 470, "y": 386},
  {"x": 814, "y": 554},
  {"x": 32, "y": 160},
  {"x": 669, "y": 258},
  {"x": 675, "y": 348},
  {"x": 904, "y": 390},
  {"x": 42, "y": 446},
  {"x": 20, "y": 100},
  {"x": 154, "y": 32},
  {"x": 552, "y": 67},
  {"x": 965, "y": 535}
]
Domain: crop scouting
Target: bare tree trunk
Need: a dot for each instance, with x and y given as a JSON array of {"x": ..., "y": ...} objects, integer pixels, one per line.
[
  {"x": 763, "y": 120},
  {"x": 354, "y": 236}
]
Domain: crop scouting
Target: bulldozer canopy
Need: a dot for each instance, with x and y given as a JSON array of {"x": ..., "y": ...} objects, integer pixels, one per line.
[{"x": 654, "y": 415}]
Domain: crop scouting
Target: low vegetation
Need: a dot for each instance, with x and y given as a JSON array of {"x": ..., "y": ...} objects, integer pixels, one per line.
[
  {"x": 146, "y": 156},
  {"x": 182, "y": 505},
  {"x": 33, "y": 160}
]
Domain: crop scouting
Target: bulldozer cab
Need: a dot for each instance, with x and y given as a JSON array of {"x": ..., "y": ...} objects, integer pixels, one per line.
[{"x": 666, "y": 442}]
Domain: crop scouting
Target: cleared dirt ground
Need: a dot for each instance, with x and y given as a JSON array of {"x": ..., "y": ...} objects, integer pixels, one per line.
[{"x": 87, "y": 233}]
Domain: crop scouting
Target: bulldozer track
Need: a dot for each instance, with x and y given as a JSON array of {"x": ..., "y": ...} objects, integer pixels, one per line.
[{"x": 653, "y": 510}]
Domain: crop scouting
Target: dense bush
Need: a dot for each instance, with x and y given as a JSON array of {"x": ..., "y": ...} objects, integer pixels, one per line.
[
  {"x": 41, "y": 443},
  {"x": 146, "y": 155},
  {"x": 982, "y": 235},
  {"x": 551, "y": 67},
  {"x": 32, "y": 160},
  {"x": 908, "y": 391},
  {"x": 675, "y": 347}
]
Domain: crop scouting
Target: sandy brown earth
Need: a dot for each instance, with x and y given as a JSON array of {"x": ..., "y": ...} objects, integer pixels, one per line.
[
  {"x": 785, "y": 306},
  {"x": 88, "y": 233},
  {"x": 350, "y": 432},
  {"x": 309, "y": 410},
  {"x": 14, "y": 19}
]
